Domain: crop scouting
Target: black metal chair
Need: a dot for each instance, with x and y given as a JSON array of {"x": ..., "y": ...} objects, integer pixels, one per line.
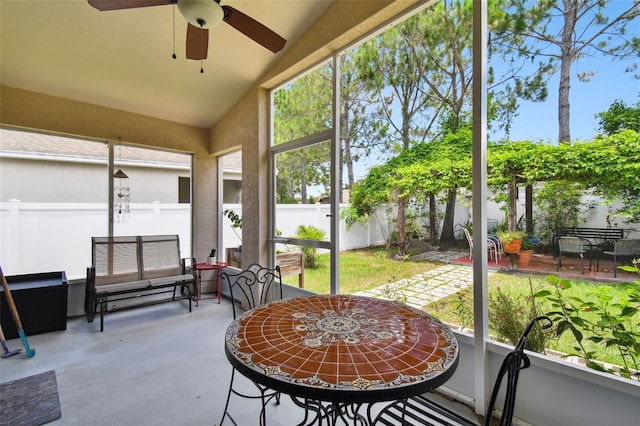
[
  {"x": 422, "y": 411},
  {"x": 623, "y": 250},
  {"x": 254, "y": 287},
  {"x": 573, "y": 245}
]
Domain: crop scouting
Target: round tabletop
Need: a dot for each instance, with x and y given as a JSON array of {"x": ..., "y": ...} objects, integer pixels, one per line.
[{"x": 339, "y": 348}]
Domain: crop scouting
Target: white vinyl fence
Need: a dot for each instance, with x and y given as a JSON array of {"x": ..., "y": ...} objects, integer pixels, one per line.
[{"x": 44, "y": 237}]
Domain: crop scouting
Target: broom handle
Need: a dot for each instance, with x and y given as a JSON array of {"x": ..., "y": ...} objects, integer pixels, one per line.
[
  {"x": 16, "y": 316},
  {"x": 10, "y": 302}
]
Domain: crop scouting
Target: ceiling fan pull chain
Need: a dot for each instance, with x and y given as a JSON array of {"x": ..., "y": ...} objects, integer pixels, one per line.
[{"x": 174, "y": 32}]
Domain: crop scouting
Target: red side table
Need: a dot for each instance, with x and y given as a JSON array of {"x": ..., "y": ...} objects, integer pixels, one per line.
[{"x": 218, "y": 266}]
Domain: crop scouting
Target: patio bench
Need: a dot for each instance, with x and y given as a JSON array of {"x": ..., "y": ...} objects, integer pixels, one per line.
[
  {"x": 598, "y": 238},
  {"x": 134, "y": 267}
]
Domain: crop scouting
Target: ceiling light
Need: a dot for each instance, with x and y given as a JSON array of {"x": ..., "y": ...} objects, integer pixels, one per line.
[{"x": 201, "y": 13}]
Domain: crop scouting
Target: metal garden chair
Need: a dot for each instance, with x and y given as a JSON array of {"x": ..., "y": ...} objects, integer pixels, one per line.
[
  {"x": 254, "y": 286},
  {"x": 422, "y": 411},
  {"x": 623, "y": 249},
  {"x": 573, "y": 245},
  {"x": 493, "y": 245}
]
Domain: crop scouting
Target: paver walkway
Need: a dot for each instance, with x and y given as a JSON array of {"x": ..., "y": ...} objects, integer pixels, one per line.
[{"x": 429, "y": 286}]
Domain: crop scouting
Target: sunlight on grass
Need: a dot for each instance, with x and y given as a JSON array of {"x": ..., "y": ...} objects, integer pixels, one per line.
[
  {"x": 372, "y": 267},
  {"x": 362, "y": 270}
]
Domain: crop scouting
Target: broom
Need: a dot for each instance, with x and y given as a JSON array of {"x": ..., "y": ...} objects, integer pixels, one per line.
[{"x": 16, "y": 316}]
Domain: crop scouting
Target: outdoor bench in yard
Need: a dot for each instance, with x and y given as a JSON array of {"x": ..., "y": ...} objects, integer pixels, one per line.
[
  {"x": 134, "y": 267},
  {"x": 597, "y": 239}
]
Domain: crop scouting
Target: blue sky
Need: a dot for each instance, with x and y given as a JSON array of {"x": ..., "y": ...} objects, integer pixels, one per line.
[
  {"x": 540, "y": 120},
  {"x": 610, "y": 83}
]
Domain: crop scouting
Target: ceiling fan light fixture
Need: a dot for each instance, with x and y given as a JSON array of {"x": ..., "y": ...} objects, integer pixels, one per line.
[{"x": 201, "y": 13}]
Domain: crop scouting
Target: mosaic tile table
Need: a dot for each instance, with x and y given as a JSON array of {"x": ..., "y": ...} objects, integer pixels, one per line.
[{"x": 335, "y": 352}]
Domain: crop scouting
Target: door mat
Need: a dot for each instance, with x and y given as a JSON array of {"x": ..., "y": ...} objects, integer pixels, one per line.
[{"x": 30, "y": 401}]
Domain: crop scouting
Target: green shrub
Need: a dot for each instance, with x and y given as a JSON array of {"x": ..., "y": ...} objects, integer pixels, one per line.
[
  {"x": 509, "y": 316},
  {"x": 598, "y": 319},
  {"x": 309, "y": 253}
]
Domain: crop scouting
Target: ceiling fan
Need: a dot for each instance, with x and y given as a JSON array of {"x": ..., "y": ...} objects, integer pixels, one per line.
[{"x": 202, "y": 15}]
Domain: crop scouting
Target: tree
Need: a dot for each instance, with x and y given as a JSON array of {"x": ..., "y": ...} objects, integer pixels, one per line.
[
  {"x": 395, "y": 74},
  {"x": 567, "y": 30},
  {"x": 609, "y": 166},
  {"x": 423, "y": 68},
  {"x": 361, "y": 129},
  {"x": 619, "y": 117},
  {"x": 301, "y": 109}
]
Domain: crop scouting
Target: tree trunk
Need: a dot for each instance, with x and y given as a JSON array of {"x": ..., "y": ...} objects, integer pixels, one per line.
[
  {"x": 512, "y": 211},
  {"x": 566, "y": 59},
  {"x": 529, "y": 209},
  {"x": 303, "y": 179},
  {"x": 433, "y": 219},
  {"x": 449, "y": 217},
  {"x": 402, "y": 232},
  {"x": 347, "y": 155}
]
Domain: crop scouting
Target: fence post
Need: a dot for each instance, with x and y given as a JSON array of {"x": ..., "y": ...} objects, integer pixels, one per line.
[
  {"x": 13, "y": 245},
  {"x": 156, "y": 216}
]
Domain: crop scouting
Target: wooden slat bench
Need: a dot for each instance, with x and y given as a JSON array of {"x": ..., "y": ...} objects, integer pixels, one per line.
[{"x": 132, "y": 267}]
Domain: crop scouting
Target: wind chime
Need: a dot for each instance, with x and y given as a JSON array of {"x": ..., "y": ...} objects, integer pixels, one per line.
[{"x": 122, "y": 192}]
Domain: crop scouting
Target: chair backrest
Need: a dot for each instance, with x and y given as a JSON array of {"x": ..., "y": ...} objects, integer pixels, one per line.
[
  {"x": 160, "y": 256},
  {"x": 469, "y": 237},
  {"x": 115, "y": 259},
  {"x": 513, "y": 362},
  {"x": 255, "y": 286},
  {"x": 571, "y": 244},
  {"x": 627, "y": 247}
]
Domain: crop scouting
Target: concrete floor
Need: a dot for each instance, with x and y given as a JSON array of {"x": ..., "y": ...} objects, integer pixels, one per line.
[{"x": 158, "y": 365}]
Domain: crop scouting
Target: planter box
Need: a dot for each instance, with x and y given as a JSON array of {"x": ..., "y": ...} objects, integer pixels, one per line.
[
  {"x": 291, "y": 263},
  {"x": 41, "y": 301},
  {"x": 234, "y": 257}
]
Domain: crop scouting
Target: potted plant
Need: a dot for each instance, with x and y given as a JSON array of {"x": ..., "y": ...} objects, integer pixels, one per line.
[
  {"x": 511, "y": 241},
  {"x": 211, "y": 260},
  {"x": 526, "y": 252},
  {"x": 236, "y": 223}
]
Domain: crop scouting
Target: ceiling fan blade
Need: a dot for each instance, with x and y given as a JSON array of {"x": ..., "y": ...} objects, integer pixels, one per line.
[
  {"x": 197, "y": 42},
  {"x": 103, "y": 5},
  {"x": 253, "y": 29}
]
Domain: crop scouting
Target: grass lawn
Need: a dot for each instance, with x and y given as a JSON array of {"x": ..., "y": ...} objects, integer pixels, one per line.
[
  {"x": 362, "y": 269},
  {"x": 372, "y": 267}
]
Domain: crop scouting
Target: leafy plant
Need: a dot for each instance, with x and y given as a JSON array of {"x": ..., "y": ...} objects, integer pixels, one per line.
[
  {"x": 559, "y": 206},
  {"x": 507, "y": 236},
  {"x": 310, "y": 253},
  {"x": 236, "y": 221},
  {"x": 527, "y": 244},
  {"x": 601, "y": 320},
  {"x": 510, "y": 314},
  {"x": 463, "y": 307}
]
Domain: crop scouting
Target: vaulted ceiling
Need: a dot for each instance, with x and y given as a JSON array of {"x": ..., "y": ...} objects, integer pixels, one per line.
[{"x": 123, "y": 59}]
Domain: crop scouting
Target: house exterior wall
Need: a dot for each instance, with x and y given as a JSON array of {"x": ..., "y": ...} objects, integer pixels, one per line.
[
  {"x": 85, "y": 182},
  {"x": 30, "y": 110}
]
